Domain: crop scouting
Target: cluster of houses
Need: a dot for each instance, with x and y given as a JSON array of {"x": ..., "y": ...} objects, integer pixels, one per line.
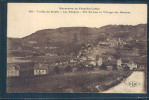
[
  {"x": 113, "y": 42},
  {"x": 110, "y": 63},
  {"x": 37, "y": 68},
  {"x": 32, "y": 69}
]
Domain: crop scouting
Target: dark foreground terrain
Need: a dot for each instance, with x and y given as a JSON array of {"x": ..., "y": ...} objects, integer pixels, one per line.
[{"x": 84, "y": 81}]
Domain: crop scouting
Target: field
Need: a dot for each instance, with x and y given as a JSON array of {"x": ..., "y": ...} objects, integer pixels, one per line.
[{"x": 77, "y": 82}]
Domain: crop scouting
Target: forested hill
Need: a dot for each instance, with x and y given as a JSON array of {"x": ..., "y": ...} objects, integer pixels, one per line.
[{"x": 68, "y": 37}]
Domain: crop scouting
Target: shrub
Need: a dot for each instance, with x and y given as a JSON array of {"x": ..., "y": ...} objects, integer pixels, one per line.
[
  {"x": 91, "y": 67},
  {"x": 57, "y": 70},
  {"x": 103, "y": 67},
  {"x": 68, "y": 69},
  {"x": 115, "y": 67},
  {"x": 81, "y": 67}
]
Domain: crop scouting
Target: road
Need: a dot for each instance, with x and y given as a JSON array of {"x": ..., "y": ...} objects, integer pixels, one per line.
[{"x": 133, "y": 84}]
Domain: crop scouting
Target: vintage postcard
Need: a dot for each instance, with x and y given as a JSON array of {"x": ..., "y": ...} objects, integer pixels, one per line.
[{"x": 76, "y": 48}]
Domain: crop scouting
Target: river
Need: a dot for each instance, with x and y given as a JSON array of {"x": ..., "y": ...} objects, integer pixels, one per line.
[{"x": 132, "y": 84}]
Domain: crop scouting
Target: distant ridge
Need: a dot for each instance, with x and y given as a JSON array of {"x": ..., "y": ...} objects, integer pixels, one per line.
[{"x": 64, "y": 37}]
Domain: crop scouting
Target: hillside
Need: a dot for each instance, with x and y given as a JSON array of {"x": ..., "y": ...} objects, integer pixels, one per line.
[{"x": 71, "y": 39}]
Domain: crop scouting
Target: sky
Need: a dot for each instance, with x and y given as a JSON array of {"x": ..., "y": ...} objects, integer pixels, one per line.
[{"x": 24, "y": 19}]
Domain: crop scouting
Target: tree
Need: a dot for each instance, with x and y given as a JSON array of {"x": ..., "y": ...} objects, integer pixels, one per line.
[
  {"x": 104, "y": 67},
  {"x": 114, "y": 67},
  {"x": 57, "y": 70},
  {"x": 118, "y": 54},
  {"x": 126, "y": 68},
  {"x": 68, "y": 69},
  {"x": 97, "y": 58},
  {"x": 81, "y": 67}
]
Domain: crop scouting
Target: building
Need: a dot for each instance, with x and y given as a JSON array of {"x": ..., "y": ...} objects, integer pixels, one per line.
[
  {"x": 51, "y": 48},
  {"x": 48, "y": 54},
  {"x": 84, "y": 58},
  {"x": 74, "y": 69},
  {"x": 12, "y": 70},
  {"x": 36, "y": 47},
  {"x": 119, "y": 62},
  {"x": 104, "y": 43},
  {"x": 20, "y": 69},
  {"x": 92, "y": 62},
  {"x": 130, "y": 38},
  {"x": 109, "y": 67},
  {"x": 109, "y": 58},
  {"x": 41, "y": 69},
  {"x": 132, "y": 65},
  {"x": 99, "y": 62},
  {"x": 91, "y": 57}
]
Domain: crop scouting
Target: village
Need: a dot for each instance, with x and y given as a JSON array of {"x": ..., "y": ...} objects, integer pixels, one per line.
[{"x": 90, "y": 58}]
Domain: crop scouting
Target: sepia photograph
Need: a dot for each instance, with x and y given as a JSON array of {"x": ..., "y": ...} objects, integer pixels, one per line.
[{"x": 76, "y": 48}]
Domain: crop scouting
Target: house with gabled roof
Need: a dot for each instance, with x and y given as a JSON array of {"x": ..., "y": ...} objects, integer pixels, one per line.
[
  {"x": 12, "y": 70},
  {"x": 22, "y": 69},
  {"x": 41, "y": 69}
]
